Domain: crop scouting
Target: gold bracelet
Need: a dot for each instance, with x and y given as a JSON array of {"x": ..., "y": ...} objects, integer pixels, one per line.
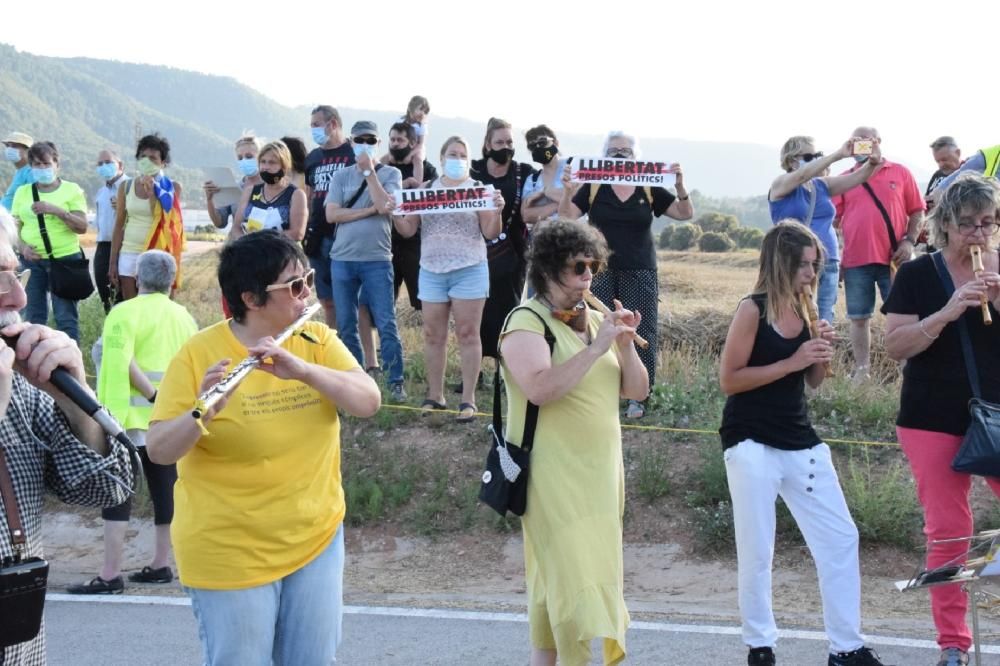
[{"x": 926, "y": 334}]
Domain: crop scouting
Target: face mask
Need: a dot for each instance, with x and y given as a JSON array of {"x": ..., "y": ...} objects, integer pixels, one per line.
[
  {"x": 544, "y": 155},
  {"x": 455, "y": 168},
  {"x": 45, "y": 176},
  {"x": 12, "y": 154},
  {"x": 247, "y": 166},
  {"x": 860, "y": 159},
  {"x": 147, "y": 167},
  {"x": 272, "y": 178},
  {"x": 362, "y": 148},
  {"x": 399, "y": 154},
  {"x": 502, "y": 156},
  {"x": 319, "y": 136},
  {"x": 107, "y": 171}
]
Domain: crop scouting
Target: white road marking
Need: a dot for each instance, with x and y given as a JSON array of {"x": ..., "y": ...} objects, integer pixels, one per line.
[{"x": 481, "y": 616}]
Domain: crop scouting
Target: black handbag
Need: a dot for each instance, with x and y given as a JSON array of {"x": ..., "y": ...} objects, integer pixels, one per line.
[
  {"x": 504, "y": 484},
  {"x": 22, "y": 581},
  {"x": 69, "y": 277},
  {"x": 980, "y": 450}
]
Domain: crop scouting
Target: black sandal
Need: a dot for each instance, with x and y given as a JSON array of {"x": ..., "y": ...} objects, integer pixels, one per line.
[
  {"x": 466, "y": 412},
  {"x": 429, "y": 406}
]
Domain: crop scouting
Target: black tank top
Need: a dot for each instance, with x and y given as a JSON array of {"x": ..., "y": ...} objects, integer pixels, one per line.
[{"x": 774, "y": 414}]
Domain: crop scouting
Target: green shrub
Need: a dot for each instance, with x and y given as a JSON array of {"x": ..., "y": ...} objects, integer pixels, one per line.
[
  {"x": 882, "y": 501},
  {"x": 713, "y": 529},
  {"x": 718, "y": 222},
  {"x": 684, "y": 236},
  {"x": 651, "y": 474},
  {"x": 747, "y": 237},
  {"x": 715, "y": 241},
  {"x": 665, "y": 237},
  {"x": 709, "y": 486}
]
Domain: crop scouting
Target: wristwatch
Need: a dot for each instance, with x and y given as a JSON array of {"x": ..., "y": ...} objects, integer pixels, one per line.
[{"x": 366, "y": 173}]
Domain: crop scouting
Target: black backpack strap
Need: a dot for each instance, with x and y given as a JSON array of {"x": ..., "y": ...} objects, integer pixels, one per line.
[
  {"x": 963, "y": 327},
  {"x": 41, "y": 224},
  {"x": 531, "y": 414},
  {"x": 361, "y": 190},
  {"x": 885, "y": 217}
]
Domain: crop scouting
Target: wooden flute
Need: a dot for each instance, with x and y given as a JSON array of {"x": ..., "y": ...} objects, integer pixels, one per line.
[
  {"x": 595, "y": 302},
  {"x": 977, "y": 269},
  {"x": 811, "y": 314}
]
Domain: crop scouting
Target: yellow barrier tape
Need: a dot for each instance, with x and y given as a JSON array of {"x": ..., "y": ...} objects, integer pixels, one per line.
[{"x": 690, "y": 431}]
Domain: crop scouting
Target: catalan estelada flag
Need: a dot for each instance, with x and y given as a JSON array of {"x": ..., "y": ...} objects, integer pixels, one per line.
[{"x": 167, "y": 232}]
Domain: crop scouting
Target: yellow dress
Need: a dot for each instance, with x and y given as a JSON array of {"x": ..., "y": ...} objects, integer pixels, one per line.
[{"x": 576, "y": 500}]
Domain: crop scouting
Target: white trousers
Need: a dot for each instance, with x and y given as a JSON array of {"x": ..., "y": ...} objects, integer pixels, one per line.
[{"x": 807, "y": 482}]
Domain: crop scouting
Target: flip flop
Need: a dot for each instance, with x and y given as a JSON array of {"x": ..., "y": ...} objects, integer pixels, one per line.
[
  {"x": 429, "y": 406},
  {"x": 466, "y": 412}
]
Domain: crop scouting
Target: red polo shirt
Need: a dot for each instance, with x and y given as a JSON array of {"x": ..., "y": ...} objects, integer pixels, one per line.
[{"x": 866, "y": 240}]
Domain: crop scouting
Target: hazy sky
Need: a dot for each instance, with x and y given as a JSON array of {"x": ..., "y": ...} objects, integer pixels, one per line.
[{"x": 755, "y": 72}]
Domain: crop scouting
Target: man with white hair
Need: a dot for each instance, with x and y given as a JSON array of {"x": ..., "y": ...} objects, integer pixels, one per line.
[
  {"x": 140, "y": 337},
  {"x": 46, "y": 442}
]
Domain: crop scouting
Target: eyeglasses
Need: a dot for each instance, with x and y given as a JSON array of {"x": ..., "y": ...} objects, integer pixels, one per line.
[
  {"x": 544, "y": 142},
  {"x": 967, "y": 229},
  {"x": 9, "y": 278},
  {"x": 580, "y": 267},
  {"x": 620, "y": 152},
  {"x": 296, "y": 285},
  {"x": 809, "y": 157},
  {"x": 369, "y": 139}
]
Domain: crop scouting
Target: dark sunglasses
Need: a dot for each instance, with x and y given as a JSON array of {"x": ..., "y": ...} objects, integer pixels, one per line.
[
  {"x": 809, "y": 157},
  {"x": 370, "y": 140},
  {"x": 580, "y": 267},
  {"x": 541, "y": 143},
  {"x": 296, "y": 285}
]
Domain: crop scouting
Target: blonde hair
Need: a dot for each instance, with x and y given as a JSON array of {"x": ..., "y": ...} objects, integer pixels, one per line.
[
  {"x": 793, "y": 147},
  {"x": 248, "y": 137},
  {"x": 780, "y": 256},
  {"x": 493, "y": 125},
  {"x": 281, "y": 150},
  {"x": 969, "y": 191},
  {"x": 453, "y": 139}
]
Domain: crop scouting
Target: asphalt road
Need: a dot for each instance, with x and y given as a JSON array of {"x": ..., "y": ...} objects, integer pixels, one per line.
[{"x": 123, "y": 630}]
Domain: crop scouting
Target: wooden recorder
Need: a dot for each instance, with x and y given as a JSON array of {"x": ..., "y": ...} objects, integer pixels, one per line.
[
  {"x": 977, "y": 269},
  {"x": 811, "y": 314}
]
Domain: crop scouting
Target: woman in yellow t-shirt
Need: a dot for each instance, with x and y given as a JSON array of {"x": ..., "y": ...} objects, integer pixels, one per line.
[
  {"x": 64, "y": 207},
  {"x": 576, "y": 489},
  {"x": 259, "y": 504}
]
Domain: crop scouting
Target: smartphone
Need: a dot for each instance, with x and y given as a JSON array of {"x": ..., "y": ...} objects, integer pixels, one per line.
[{"x": 862, "y": 147}]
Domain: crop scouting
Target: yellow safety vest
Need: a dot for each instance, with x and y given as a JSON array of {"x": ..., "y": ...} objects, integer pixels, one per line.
[
  {"x": 151, "y": 329},
  {"x": 992, "y": 156}
]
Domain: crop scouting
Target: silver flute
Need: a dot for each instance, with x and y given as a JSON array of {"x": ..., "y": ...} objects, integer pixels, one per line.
[{"x": 233, "y": 378}]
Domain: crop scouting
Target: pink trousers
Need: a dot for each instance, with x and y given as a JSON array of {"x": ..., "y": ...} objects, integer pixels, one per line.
[{"x": 944, "y": 495}]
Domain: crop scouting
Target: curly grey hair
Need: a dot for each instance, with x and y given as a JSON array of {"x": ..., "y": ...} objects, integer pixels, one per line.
[{"x": 969, "y": 192}]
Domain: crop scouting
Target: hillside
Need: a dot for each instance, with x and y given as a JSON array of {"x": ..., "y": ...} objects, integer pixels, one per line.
[{"x": 84, "y": 104}]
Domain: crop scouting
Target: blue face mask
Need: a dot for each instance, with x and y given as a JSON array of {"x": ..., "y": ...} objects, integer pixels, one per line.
[
  {"x": 455, "y": 168},
  {"x": 362, "y": 148},
  {"x": 12, "y": 154},
  {"x": 248, "y": 166},
  {"x": 861, "y": 159},
  {"x": 45, "y": 176},
  {"x": 319, "y": 136},
  {"x": 107, "y": 171}
]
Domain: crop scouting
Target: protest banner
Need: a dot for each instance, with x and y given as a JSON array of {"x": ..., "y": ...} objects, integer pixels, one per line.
[
  {"x": 619, "y": 171},
  {"x": 435, "y": 200}
]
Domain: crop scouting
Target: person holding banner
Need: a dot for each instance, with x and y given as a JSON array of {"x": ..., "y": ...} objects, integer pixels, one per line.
[
  {"x": 275, "y": 203},
  {"x": 506, "y": 251},
  {"x": 543, "y": 190},
  {"x": 454, "y": 278},
  {"x": 624, "y": 214}
]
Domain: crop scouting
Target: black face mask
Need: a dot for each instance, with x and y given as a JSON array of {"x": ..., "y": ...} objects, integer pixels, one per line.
[
  {"x": 501, "y": 156},
  {"x": 399, "y": 154},
  {"x": 272, "y": 178},
  {"x": 544, "y": 155}
]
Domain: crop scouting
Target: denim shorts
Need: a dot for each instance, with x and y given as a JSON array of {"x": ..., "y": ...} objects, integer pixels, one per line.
[
  {"x": 859, "y": 288},
  {"x": 469, "y": 283},
  {"x": 321, "y": 264}
]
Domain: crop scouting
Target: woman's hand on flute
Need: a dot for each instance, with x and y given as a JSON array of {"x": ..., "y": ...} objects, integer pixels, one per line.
[
  {"x": 826, "y": 330},
  {"x": 969, "y": 295},
  {"x": 212, "y": 377},
  {"x": 992, "y": 281},
  {"x": 630, "y": 319},
  {"x": 811, "y": 352},
  {"x": 278, "y": 361}
]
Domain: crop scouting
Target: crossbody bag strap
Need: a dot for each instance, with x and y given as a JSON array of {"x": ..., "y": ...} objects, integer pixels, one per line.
[
  {"x": 361, "y": 190},
  {"x": 963, "y": 327},
  {"x": 41, "y": 223},
  {"x": 17, "y": 538},
  {"x": 885, "y": 217},
  {"x": 531, "y": 413}
]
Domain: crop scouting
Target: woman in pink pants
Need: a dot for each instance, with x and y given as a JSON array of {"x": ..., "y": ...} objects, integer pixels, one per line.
[{"x": 923, "y": 328}]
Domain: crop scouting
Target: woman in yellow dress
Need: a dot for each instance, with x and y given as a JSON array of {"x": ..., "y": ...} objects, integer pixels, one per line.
[{"x": 576, "y": 489}]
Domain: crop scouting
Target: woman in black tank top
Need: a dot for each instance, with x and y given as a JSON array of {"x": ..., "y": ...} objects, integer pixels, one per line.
[{"x": 771, "y": 449}]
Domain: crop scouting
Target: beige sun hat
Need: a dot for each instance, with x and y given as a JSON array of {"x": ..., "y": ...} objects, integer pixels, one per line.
[{"x": 19, "y": 137}]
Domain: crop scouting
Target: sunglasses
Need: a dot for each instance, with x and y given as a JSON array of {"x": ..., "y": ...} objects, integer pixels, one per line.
[
  {"x": 620, "y": 152},
  {"x": 540, "y": 143},
  {"x": 809, "y": 157},
  {"x": 296, "y": 285},
  {"x": 9, "y": 278},
  {"x": 370, "y": 140},
  {"x": 580, "y": 267}
]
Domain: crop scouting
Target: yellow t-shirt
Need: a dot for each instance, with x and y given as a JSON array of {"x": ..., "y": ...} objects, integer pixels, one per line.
[
  {"x": 65, "y": 242},
  {"x": 260, "y": 496}
]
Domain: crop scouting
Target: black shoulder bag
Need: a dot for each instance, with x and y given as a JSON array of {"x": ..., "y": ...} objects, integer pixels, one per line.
[
  {"x": 69, "y": 277},
  {"x": 980, "y": 450},
  {"x": 312, "y": 240},
  {"x": 505, "y": 482},
  {"x": 893, "y": 243},
  {"x": 22, "y": 581}
]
